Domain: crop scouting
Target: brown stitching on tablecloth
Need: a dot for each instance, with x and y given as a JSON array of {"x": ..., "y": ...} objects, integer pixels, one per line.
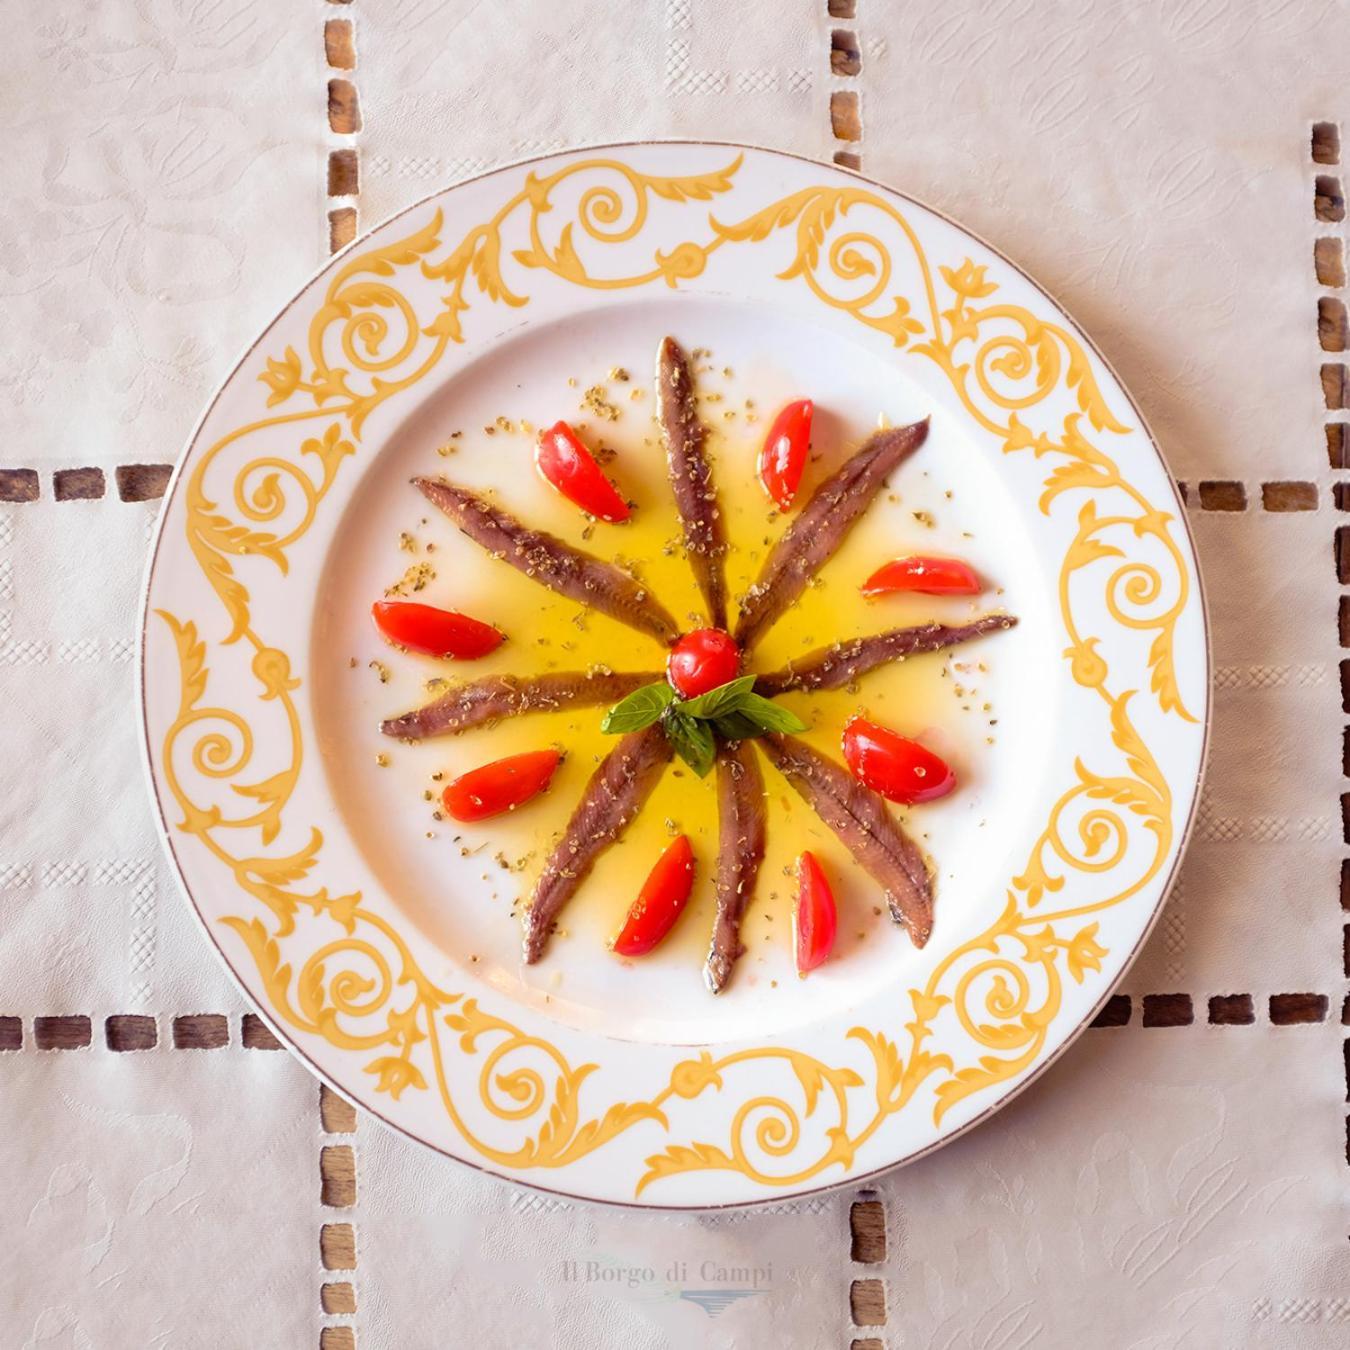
[
  {"x": 337, "y": 1183},
  {"x": 19, "y": 485},
  {"x": 62, "y": 1033},
  {"x": 255, "y": 1034},
  {"x": 867, "y": 1229},
  {"x": 1222, "y": 496},
  {"x": 71, "y": 485},
  {"x": 1341, "y": 548},
  {"x": 201, "y": 1031},
  {"x": 131, "y": 1031},
  {"x": 142, "y": 482},
  {"x": 337, "y": 1338},
  {"x": 344, "y": 119},
  {"x": 1333, "y": 396},
  {"x": 341, "y": 228},
  {"x": 1115, "y": 1012},
  {"x": 337, "y": 1246},
  {"x": 845, "y": 56},
  {"x": 344, "y": 111},
  {"x": 845, "y": 118},
  {"x": 336, "y": 1114},
  {"x": 1326, "y": 143},
  {"x": 1328, "y": 200},
  {"x": 339, "y": 44},
  {"x": 1329, "y": 260},
  {"x": 344, "y": 174},
  {"x": 845, "y": 104},
  {"x": 337, "y": 1176},
  {"x": 1168, "y": 1010},
  {"x": 867, "y": 1303},
  {"x": 1289, "y": 496},
  {"x": 1231, "y": 1010},
  {"x": 338, "y": 1297},
  {"x": 1296, "y": 1009},
  {"x": 1279, "y": 496},
  {"x": 11, "y": 1033},
  {"x": 1331, "y": 323}
]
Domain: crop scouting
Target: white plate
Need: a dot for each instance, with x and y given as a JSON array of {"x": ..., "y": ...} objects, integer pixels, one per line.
[{"x": 378, "y": 941}]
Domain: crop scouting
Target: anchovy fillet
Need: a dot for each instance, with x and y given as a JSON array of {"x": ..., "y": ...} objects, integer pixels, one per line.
[
  {"x": 691, "y": 478},
  {"x": 497, "y": 696},
  {"x": 859, "y": 818},
  {"x": 740, "y": 851},
  {"x": 548, "y": 560},
  {"x": 839, "y": 665},
  {"x": 616, "y": 793},
  {"x": 824, "y": 523}
]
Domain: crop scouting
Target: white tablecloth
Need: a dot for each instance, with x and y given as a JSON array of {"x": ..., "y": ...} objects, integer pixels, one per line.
[{"x": 168, "y": 165}]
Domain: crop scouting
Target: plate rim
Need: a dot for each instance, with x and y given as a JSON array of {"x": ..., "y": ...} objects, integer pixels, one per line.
[{"x": 773, "y": 1197}]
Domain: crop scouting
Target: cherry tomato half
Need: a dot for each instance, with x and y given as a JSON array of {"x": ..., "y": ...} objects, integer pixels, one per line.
[
  {"x": 889, "y": 763},
  {"x": 560, "y": 456},
  {"x": 434, "y": 632},
  {"x": 783, "y": 457},
  {"x": 660, "y": 901},
  {"x": 702, "y": 660},
  {"x": 929, "y": 576},
  {"x": 500, "y": 786},
  {"x": 815, "y": 919}
]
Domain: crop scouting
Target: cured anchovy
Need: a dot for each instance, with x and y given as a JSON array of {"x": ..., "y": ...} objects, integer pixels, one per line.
[
  {"x": 571, "y": 572},
  {"x": 691, "y": 478},
  {"x": 824, "y": 523},
  {"x": 839, "y": 665},
  {"x": 740, "y": 851},
  {"x": 497, "y": 696},
  {"x": 615, "y": 794},
  {"x": 858, "y": 816}
]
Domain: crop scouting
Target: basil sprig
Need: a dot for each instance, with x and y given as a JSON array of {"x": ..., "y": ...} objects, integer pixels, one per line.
[{"x": 732, "y": 711}]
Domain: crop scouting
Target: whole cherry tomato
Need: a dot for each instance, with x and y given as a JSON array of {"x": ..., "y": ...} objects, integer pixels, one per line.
[
  {"x": 571, "y": 468},
  {"x": 815, "y": 918},
  {"x": 702, "y": 660},
  {"x": 500, "y": 786},
  {"x": 900, "y": 769},
  {"x": 434, "y": 632},
  {"x": 783, "y": 457},
  {"x": 929, "y": 576},
  {"x": 660, "y": 901}
]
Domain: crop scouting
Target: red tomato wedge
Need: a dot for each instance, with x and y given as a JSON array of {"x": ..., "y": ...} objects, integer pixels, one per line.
[
  {"x": 783, "y": 457},
  {"x": 434, "y": 632},
  {"x": 928, "y": 576},
  {"x": 815, "y": 919},
  {"x": 560, "y": 456},
  {"x": 500, "y": 786},
  {"x": 660, "y": 901},
  {"x": 701, "y": 661},
  {"x": 889, "y": 763}
]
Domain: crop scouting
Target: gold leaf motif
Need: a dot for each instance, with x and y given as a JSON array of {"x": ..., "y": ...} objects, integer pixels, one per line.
[
  {"x": 689, "y": 1077},
  {"x": 396, "y": 1073},
  {"x": 282, "y": 376},
  {"x": 1084, "y": 953}
]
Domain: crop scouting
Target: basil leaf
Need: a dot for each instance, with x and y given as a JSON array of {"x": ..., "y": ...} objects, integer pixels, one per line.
[
  {"x": 768, "y": 716},
  {"x": 716, "y": 701},
  {"x": 692, "y": 740},
  {"x": 640, "y": 709},
  {"x": 735, "y": 726}
]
